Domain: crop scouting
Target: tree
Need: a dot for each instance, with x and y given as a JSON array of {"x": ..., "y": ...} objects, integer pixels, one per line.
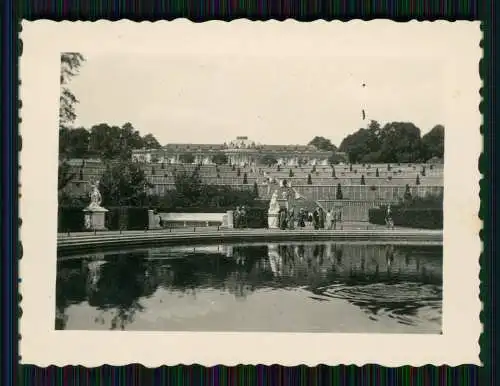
[
  {"x": 65, "y": 175},
  {"x": 245, "y": 178},
  {"x": 335, "y": 158},
  {"x": 124, "y": 183},
  {"x": 73, "y": 143},
  {"x": 267, "y": 159},
  {"x": 150, "y": 142},
  {"x": 364, "y": 144},
  {"x": 219, "y": 158},
  {"x": 290, "y": 173},
  {"x": 339, "y": 195},
  {"x": 309, "y": 179},
  {"x": 321, "y": 143},
  {"x": 400, "y": 143},
  {"x": 417, "y": 182},
  {"x": 70, "y": 66},
  {"x": 255, "y": 189},
  {"x": 105, "y": 142},
  {"x": 433, "y": 143},
  {"x": 407, "y": 196},
  {"x": 363, "y": 179},
  {"x": 186, "y": 158}
]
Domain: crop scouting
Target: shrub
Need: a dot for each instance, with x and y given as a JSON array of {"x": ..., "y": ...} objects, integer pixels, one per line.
[
  {"x": 256, "y": 217},
  {"x": 70, "y": 219},
  {"x": 373, "y": 188},
  {"x": 255, "y": 189},
  {"x": 339, "y": 195},
  {"x": 429, "y": 218},
  {"x": 130, "y": 218},
  {"x": 407, "y": 196}
]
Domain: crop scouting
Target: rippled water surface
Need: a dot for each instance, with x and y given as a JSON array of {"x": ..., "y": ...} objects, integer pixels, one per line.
[{"x": 299, "y": 287}]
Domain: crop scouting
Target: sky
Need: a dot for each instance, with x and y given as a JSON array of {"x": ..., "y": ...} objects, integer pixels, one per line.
[{"x": 272, "y": 99}]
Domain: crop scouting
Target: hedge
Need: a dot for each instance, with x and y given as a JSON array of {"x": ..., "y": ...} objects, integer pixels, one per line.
[
  {"x": 425, "y": 218},
  {"x": 71, "y": 219}
]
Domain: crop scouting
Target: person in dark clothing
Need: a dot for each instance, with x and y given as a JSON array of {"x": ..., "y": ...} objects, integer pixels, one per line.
[
  {"x": 302, "y": 218},
  {"x": 282, "y": 219},
  {"x": 243, "y": 217},
  {"x": 321, "y": 218},
  {"x": 315, "y": 218},
  {"x": 291, "y": 218},
  {"x": 236, "y": 217},
  {"x": 161, "y": 222}
]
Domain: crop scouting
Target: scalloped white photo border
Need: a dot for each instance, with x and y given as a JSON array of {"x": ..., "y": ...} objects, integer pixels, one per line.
[{"x": 456, "y": 43}]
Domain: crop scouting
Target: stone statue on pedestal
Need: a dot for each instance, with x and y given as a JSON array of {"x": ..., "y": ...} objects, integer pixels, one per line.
[
  {"x": 94, "y": 213},
  {"x": 272, "y": 214},
  {"x": 95, "y": 197}
]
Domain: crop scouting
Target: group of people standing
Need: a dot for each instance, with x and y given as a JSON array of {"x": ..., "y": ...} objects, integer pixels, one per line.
[
  {"x": 240, "y": 217},
  {"x": 319, "y": 219},
  {"x": 325, "y": 220}
]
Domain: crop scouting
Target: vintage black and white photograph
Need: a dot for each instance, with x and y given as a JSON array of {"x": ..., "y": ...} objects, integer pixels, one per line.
[{"x": 257, "y": 191}]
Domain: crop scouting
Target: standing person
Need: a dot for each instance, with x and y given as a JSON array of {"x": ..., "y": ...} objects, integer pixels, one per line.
[
  {"x": 321, "y": 213},
  {"x": 282, "y": 218},
  {"x": 291, "y": 218},
  {"x": 315, "y": 219},
  {"x": 236, "y": 217},
  {"x": 334, "y": 219},
  {"x": 243, "y": 217},
  {"x": 160, "y": 222},
  {"x": 302, "y": 218},
  {"x": 329, "y": 219},
  {"x": 388, "y": 217}
]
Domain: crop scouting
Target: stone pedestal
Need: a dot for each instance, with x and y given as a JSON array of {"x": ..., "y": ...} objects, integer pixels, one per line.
[
  {"x": 153, "y": 221},
  {"x": 95, "y": 218},
  {"x": 230, "y": 219},
  {"x": 272, "y": 221}
]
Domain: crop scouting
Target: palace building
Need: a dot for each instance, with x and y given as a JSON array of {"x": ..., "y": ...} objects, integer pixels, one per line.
[{"x": 240, "y": 151}]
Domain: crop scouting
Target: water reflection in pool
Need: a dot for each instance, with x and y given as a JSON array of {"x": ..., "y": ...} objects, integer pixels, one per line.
[{"x": 302, "y": 287}]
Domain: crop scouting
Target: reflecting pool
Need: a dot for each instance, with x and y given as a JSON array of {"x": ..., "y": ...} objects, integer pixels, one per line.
[{"x": 278, "y": 287}]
